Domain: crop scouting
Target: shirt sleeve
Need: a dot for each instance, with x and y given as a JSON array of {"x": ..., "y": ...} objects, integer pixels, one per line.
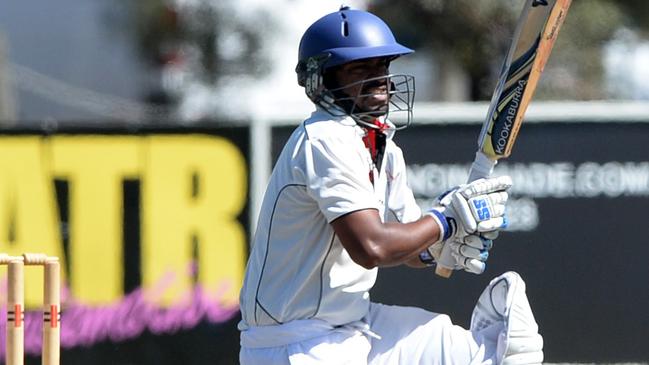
[
  {"x": 401, "y": 201},
  {"x": 337, "y": 176}
]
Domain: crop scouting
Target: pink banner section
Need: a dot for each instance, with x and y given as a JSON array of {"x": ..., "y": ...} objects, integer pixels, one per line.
[{"x": 83, "y": 325}]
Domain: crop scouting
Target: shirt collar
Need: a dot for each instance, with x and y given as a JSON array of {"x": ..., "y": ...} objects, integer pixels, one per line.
[{"x": 321, "y": 113}]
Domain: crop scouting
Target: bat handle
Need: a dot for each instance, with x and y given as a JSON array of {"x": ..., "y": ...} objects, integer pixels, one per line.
[
  {"x": 443, "y": 271},
  {"x": 482, "y": 167}
]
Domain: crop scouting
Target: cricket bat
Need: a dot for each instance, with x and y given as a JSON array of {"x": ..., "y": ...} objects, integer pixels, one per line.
[{"x": 536, "y": 32}]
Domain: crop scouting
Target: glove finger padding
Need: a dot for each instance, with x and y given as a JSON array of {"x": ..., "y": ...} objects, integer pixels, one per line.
[
  {"x": 485, "y": 186},
  {"x": 470, "y": 254},
  {"x": 474, "y": 247},
  {"x": 491, "y": 235},
  {"x": 478, "y": 242},
  {"x": 473, "y": 253},
  {"x": 492, "y": 225},
  {"x": 474, "y": 266},
  {"x": 497, "y": 198}
]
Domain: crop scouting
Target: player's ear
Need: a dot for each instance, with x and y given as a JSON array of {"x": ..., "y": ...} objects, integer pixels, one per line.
[{"x": 329, "y": 78}]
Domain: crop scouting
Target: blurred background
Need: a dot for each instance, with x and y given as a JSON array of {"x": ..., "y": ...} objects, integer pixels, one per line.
[{"x": 136, "y": 139}]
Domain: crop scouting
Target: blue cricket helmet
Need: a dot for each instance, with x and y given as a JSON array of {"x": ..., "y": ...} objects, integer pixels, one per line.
[
  {"x": 349, "y": 35},
  {"x": 346, "y": 36}
]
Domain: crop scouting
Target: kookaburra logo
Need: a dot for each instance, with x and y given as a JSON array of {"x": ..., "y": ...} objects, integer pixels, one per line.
[{"x": 540, "y": 2}]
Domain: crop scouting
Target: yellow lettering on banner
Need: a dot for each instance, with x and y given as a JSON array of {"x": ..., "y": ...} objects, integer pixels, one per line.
[
  {"x": 28, "y": 216},
  {"x": 95, "y": 168},
  {"x": 194, "y": 187}
]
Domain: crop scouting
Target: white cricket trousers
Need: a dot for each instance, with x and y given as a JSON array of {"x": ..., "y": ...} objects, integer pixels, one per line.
[{"x": 408, "y": 336}]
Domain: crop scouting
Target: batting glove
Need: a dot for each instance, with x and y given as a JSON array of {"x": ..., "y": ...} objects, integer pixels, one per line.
[
  {"x": 469, "y": 254},
  {"x": 470, "y": 217},
  {"x": 474, "y": 208}
]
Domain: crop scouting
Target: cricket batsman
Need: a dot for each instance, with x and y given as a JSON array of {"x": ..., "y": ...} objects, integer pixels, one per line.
[{"x": 338, "y": 207}]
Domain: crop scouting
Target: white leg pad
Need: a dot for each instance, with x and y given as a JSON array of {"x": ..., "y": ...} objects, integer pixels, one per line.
[
  {"x": 531, "y": 358},
  {"x": 503, "y": 308}
]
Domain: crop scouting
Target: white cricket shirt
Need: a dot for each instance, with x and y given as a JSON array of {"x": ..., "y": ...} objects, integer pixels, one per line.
[{"x": 297, "y": 268}]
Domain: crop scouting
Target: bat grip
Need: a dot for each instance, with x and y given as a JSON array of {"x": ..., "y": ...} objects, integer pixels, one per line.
[
  {"x": 482, "y": 167},
  {"x": 443, "y": 271}
]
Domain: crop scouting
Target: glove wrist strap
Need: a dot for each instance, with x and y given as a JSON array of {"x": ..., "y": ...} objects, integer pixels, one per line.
[{"x": 442, "y": 222}]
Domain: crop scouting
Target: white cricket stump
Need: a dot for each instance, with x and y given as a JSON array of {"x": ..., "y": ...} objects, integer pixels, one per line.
[
  {"x": 52, "y": 313},
  {"x": 15, "y": 338}
]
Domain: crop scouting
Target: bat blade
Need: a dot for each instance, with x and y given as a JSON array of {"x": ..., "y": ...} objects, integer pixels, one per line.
[
  {"x": 536, "y": 31},
  {"x": 535, "y": 36}
]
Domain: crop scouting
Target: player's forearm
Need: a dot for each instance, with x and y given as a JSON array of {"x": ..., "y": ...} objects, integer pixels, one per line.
[
  {"x": 401, "y": 243},
  {"x": 372, "y": 243}
]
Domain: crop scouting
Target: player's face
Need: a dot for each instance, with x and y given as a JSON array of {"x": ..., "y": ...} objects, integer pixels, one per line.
[{"x": 371, "y": 95}]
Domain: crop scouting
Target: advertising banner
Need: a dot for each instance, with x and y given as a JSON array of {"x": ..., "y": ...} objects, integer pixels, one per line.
[{"x": 151, "y": 230}]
